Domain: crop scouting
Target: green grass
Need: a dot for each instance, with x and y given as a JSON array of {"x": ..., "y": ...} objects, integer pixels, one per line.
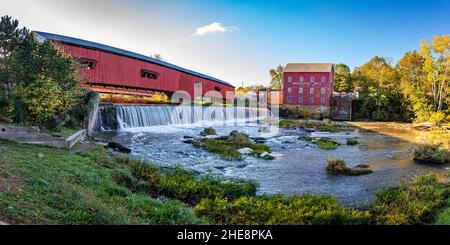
[
  {"x": 228, "y": 148},
  {"x": 326, "y": 144},
  {"x": 208, "y": 131},
  {"x": 443, "y": 217},
  {"x": 418, "y": 202},
  {"x": 352, "y": 141},
  {"x": 75, "y": 189},
  {"x": 306, "y": 209}
]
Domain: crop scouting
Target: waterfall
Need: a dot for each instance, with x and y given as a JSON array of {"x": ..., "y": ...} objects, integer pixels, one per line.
[{"x": 127, "y": 116}]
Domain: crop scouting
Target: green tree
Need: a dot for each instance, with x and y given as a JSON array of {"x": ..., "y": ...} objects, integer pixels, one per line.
[
  {"x": 10, "y": 36},
  {"x": 380, "y": 99},
  {"x": 277, "y": 77},
  {"x": 437, "y": 68},
  {"x": 158, "y": 57},
  {"x": 342, "y": 78},
  {"x": 414, "y": 86}
]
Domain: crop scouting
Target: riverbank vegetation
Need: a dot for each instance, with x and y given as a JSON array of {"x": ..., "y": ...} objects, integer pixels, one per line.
[
  {"x": 39, "y": 84},
  {"x": 41, "y": 185},
  {"x": 433, "y": 147}
]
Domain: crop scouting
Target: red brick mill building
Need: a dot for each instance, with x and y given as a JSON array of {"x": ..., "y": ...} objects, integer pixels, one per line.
[{"x": 308, "y": 88}]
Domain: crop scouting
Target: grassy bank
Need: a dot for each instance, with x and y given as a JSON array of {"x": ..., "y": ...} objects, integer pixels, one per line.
[{"x": 40, "y": 185}]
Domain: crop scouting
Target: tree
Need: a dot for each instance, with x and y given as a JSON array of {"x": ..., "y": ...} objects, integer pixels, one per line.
[
  {"x": 437, "y": 68},
  {"x": 10, "y": 36},
  {"x": 342, "y": 78},
  {"x": 380, "y": 99},
  {"x": 157, "y": 57},
  {"x": 277, "y": 77},
  {"x": 414, "y": 86}
]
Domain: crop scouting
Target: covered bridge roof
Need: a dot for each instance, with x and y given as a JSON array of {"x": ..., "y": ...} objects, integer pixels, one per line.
[
  {"x": 308, "y": 67},
  {"x": 106, "y": 48}
]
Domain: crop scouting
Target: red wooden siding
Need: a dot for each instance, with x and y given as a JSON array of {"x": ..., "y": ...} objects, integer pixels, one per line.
[{"x": 116, "y": 70}]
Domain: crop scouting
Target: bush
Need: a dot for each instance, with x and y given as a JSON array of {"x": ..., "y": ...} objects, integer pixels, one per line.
[
  {"x": 208, "y": 131},
  {"x": 415, "y": 203},
  {"x": 352, "y": 141},
  {"x": 181, "y": 184},
  {"x": 431, "y": 154},
  {"x": 228, "y": 147},
  {"x": 279, "y": 210},
  {"x": 338, "y": 166},
  {"x": 326, "y": 144}
]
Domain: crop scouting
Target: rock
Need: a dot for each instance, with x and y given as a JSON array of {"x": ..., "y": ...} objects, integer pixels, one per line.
[
  {"x": 6, "y": 120},
  {"x": 310, "y": 130},
  {"x": 189, "y": 141},
  {"x": 259, "y": 140},
  {"x": 211, "y": 137},
  {"x": 118, "y": 147},
  {"x": 40, "y": 155},
  {"x": 104, "y": 144},
  {"x": 242, "y": 165},
  {"x": 363, "y": 166},
  {"x": 3, "y": 223},
  {"x": 56, "y": 135},
  {"x": 220, "y": 167},
  {"x": 264, "y": 154},
  {"x": 35, "y": 129},
  {"x": 245, "y": 151},
  {"x": 187, "y": 137}
]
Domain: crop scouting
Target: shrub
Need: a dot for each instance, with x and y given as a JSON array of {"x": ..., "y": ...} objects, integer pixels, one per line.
[
  {"x": 208, "y": 131},
  {"x": 183, "y": 185},
  {"x": 352, "y": 141},
  {"x": 338, "y": 166},
  {"x": 326, "y": 144},
  {"x": 228, "y": 148},
  {"x": 415, "y": 203},
  {"x": 431, "y": 154},
  {"x": 279, "y": 210}
]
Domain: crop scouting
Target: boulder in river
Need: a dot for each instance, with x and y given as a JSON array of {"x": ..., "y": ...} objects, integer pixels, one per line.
[
  {"x": 118, "y": 147},
  {"x": 246, "y": 151}
]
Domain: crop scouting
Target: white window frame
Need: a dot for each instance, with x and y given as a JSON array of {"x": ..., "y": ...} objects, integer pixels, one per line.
[
  {"x": 311, "y": 79},
  {"x": 302, "y": 79},
  {"x": 289, "y": 99},
  {"x": 300, "y": 90},
  {"x": 300, "y": 99},
  {"x": 324, "y": 79},
  {"x": 311, "y": 100},
  {"x": 289, "y": 79},
  {"x": 289, "y": 90},
  {"x": 322, "y": 100},
  {"x": 311, "y": 90},
  {"x": 323, "y": 90}
]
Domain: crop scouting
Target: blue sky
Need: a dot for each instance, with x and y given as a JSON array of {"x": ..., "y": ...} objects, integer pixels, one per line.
[{"x": 239, "y": 41}]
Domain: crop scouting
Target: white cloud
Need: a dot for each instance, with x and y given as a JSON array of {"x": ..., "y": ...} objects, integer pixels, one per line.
[{"x": 212, "y": 28}]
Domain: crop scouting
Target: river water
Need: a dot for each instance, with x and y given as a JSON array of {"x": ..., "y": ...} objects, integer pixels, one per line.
[{"x": 299, "y": 167}]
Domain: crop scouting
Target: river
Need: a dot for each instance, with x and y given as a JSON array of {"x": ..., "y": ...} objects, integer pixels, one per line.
[{"x": 299, "y": 166}]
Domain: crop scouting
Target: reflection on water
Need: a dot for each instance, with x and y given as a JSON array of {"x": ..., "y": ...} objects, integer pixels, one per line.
[{"x": 299, "y": 167}]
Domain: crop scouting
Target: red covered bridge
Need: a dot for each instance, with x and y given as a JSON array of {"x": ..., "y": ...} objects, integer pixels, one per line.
[{"x": 112, "y": 70}]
